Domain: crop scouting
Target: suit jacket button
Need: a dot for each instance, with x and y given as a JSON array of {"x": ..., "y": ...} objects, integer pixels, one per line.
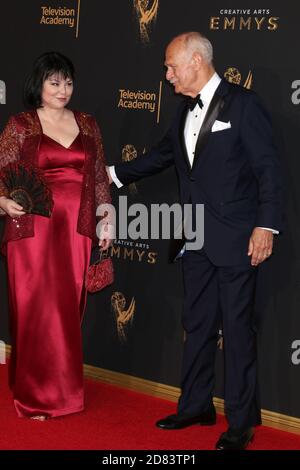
[{"x": 192, "y": 179}]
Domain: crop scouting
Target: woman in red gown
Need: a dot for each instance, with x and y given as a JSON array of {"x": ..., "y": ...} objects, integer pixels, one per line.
[{"x": 47, "y": 258}]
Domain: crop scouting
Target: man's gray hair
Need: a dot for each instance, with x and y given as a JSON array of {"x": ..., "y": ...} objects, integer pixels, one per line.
[{"x": 196, "y": 42}]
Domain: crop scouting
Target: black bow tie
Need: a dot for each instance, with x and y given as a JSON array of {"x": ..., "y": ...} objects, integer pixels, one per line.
[{"x": 193, "y": 101}]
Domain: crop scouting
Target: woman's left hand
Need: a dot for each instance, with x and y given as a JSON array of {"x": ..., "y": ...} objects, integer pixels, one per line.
[
  {"x": 106, "y": 236},
  {"x": 105, "y": 243}
]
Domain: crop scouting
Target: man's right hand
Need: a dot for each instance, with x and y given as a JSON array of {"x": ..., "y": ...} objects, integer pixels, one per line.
[
  {"x": 108, "y": 175},
  {"x": 12, "y": 208},
  {"x": 260, "y": 245}
]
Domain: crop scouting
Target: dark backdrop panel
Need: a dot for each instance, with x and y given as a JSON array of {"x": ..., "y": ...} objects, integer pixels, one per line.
[{"x": 255, "y": 45}]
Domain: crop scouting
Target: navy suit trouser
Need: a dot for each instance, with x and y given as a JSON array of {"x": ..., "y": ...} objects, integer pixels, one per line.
[{"x": 216, "y": 296}]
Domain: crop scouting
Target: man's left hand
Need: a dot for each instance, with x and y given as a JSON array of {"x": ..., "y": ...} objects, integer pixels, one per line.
[{"x": 260, "y": 245}]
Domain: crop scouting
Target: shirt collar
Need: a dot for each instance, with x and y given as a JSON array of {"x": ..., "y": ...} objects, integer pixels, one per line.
[{"x": 209, "y": 88}]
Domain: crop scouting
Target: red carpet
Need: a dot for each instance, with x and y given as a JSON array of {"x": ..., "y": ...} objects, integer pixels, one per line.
[{"x": 117, "y": 419}]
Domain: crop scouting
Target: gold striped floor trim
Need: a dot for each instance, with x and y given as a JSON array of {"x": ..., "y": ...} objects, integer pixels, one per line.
[{"x": 269, "y": 418}]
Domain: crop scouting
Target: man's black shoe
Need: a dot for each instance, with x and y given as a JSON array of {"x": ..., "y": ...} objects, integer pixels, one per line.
[
  {"x": 208, "y": 418},
  {"x": 235, "y": 439}
]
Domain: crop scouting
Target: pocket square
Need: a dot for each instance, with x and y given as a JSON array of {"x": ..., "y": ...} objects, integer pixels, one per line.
[{"x": 220, "y": 126}]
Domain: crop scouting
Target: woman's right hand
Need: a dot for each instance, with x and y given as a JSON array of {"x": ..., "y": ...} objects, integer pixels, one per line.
[{"x": 12, "y": 208}]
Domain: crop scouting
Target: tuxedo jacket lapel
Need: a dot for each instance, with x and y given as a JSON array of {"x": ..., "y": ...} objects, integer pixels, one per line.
[
  {"x": 213, "y": 111},
  {"x": 181, "y": 135}
]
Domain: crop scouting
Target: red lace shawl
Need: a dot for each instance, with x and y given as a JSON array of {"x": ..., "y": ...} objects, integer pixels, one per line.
[{"x": 21, "y": 139}]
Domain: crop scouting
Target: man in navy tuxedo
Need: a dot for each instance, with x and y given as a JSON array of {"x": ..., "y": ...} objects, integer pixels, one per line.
[{"x": 221, "y": 144}]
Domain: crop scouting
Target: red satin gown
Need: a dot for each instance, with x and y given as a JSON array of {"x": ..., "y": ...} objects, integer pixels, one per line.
[{"x": 47, "y": 295}]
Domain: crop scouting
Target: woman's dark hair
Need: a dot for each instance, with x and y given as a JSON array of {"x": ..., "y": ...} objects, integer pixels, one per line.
[{"x": 46, "y": 65}]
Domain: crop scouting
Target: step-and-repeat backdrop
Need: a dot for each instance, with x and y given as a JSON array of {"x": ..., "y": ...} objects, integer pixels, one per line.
[{"x": 117, "y": 47}]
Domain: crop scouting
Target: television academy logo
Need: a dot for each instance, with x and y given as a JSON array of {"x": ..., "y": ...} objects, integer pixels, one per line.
[
  {"x": 146, "y": 11},
  {"x": 138, "y": 100},
  {"x": 123, "y": 316},
  {"x": 2, "y": 92},
  {"x": 295, "y": 357},
  {"x": 57, "y": 15},
  {"x": 233, "y": 75}
]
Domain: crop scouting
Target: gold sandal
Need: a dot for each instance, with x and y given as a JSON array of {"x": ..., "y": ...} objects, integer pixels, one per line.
[{"x": 39, "y": 417}]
